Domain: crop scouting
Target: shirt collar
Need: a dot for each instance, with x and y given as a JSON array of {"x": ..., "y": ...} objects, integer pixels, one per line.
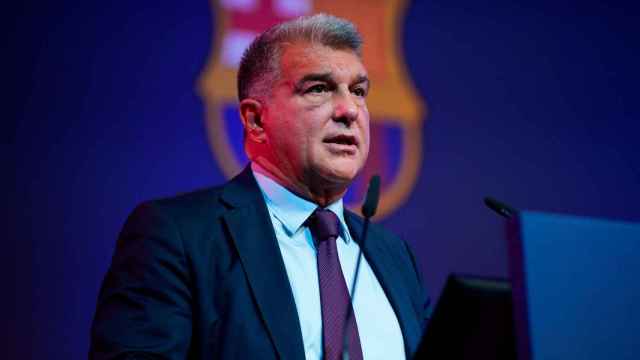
[{"x": 290, "y": 209}]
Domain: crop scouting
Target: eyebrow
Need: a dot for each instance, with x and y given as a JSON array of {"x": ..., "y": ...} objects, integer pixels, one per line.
[{"x": 363, "y": 79}]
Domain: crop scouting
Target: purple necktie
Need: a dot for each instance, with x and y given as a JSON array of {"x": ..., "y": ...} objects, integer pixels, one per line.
[{"x": 334, "y": 295}]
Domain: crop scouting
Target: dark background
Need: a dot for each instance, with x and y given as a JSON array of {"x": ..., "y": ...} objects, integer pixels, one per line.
[{"x": 534, "y": 103}]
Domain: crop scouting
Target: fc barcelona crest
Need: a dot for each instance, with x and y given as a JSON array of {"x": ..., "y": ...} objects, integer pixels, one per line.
[{"x": 396, "y": 110}]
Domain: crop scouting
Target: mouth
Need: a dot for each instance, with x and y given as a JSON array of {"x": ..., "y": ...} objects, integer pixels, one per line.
[
  {"x": 347, "y": 141},
  {"x": 342, "y": 144}
]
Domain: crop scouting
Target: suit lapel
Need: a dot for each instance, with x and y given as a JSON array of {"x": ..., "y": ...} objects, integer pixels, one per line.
[
  {"x": 377, "y": 253},
  {"x": 252, "y": 232}
]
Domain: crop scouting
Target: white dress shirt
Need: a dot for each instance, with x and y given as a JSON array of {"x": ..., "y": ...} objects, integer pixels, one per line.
[{"x": 378, "y": 327}]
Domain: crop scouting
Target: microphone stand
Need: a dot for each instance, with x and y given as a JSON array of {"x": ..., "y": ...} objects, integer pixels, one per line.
[{"x": 368, "y": 210}]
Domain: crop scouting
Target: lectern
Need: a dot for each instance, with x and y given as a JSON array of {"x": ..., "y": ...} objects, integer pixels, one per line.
[
  {"x": 574, "y": 293},
  {"x": 576, "y": 287}
]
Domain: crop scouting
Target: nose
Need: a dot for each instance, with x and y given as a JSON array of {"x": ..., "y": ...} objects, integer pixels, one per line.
[{"x": 345, "y": 108}]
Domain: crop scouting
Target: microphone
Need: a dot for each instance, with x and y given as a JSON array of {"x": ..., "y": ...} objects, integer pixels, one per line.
[
  {"x": 371, "y": 200},
  {"x": 369, "y": 208},
  {"x": 501, "y": 208}
]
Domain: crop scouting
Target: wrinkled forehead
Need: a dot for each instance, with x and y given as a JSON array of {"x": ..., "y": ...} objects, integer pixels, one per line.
[{"x": 303, "y": 58}]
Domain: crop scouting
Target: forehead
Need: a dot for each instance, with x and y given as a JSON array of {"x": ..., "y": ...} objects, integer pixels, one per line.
[{"x": 302, "y": 58}]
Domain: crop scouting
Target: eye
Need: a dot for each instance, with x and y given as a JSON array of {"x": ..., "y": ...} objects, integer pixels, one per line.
[
  {"x": 359, "y": 91},
  {"x": 317, "y": 89}
]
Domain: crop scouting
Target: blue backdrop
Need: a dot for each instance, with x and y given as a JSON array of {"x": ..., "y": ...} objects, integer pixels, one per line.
[{"x": 533, "y": 103}]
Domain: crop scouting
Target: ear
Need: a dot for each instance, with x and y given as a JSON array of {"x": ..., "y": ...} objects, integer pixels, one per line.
[{"x": 251, "y": 112}]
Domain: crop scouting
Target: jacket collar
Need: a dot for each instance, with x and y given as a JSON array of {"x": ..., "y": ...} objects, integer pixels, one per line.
[
  {"x": 378, "y": 253},
  {"x": 250, "y": 226}
]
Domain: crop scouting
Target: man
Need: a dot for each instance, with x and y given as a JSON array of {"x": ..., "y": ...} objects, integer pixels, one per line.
[{"x": 260, "y": 267}]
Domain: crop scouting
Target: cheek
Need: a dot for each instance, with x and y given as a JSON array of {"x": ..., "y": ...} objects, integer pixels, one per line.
[
  {"x": 293, "y": 141},
  {"x": 366, "y": 131}
]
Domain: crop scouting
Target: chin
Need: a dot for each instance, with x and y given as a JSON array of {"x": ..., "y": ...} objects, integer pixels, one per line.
[{"x": 343, "y": 174}]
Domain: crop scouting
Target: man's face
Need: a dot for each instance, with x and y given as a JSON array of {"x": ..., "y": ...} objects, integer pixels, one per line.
[{"x": 316, "y": 121}]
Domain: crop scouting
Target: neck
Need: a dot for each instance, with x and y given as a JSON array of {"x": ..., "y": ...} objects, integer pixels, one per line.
[{"x": 320, "y": 194}]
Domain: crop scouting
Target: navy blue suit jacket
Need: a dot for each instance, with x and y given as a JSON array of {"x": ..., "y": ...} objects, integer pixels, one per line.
[{"x": 200, "y": 276}]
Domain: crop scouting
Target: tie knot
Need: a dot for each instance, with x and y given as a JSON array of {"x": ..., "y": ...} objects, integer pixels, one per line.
[{"x": 324, "y": 224}]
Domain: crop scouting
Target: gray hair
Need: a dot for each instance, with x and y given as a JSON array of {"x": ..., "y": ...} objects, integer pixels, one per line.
[{"x": 260, "y": 65}]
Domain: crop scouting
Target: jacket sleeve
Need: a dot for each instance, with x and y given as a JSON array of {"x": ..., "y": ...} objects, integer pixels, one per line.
[{"x": 144, "y": 305}]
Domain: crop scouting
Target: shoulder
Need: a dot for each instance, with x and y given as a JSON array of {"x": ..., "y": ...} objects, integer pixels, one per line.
[
  {"x": 190, "y": 210},
  {"x": 184, "y": 205},
  {"x": 188, "y": 204}
]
